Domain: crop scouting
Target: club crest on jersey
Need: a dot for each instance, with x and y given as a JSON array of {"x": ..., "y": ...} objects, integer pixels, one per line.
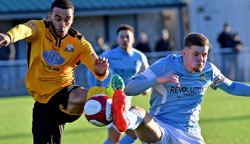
[
  {"x": 69, "y": 48},
  {"x": 202, "y": 77}
]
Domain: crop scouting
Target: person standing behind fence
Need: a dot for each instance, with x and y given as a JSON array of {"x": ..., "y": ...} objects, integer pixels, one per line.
[
  {"x": 225, "y": 40},
  {"x": 6, "y": 72},
  {"x": 163, "y": 44},
  {"x": 238, "y": 47},
  {"x": 8, "y": 53},
  {"x": 100, "y": 46},
  {"x": 143, "y": 45}
]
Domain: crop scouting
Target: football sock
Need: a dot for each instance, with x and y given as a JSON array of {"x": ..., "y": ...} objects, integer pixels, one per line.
[
  {"x": 108, "y": 142},
  {"x": 134, "y": 119},
  {"x": 96, "y": 90},
  {"x": 127, "y": 140}
]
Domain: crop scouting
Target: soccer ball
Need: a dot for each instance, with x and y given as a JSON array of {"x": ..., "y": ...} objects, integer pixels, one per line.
[{"x": 97, "y": 110}]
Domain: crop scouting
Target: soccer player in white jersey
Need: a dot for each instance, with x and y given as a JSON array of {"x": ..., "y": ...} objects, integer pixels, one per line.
[
  {"x": 178, "y": 82},
  {"x": 125, "y": 61}
]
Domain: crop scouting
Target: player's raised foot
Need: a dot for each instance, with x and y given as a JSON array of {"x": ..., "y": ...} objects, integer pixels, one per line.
[
  {"x": 116, "y": 83},
  {"x": 118, "y": 110}
]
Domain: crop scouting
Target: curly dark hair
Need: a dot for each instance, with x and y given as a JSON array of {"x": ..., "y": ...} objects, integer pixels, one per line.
[{"x": 63, "y": 4}]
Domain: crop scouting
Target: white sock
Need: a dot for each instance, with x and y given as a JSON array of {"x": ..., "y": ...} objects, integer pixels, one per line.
[{"x": 134, "y": 119}]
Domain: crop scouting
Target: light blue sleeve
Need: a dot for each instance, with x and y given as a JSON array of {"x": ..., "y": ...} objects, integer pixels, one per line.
[
  {"x": 231, "y": 87},
  {"x": 236, "y": 88},
  {"x": 138, "y": 85},
  {"x": 146, "y": 79}
]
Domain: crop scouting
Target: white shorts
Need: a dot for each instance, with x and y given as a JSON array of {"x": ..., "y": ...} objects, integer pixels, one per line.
[{"x": 172, "y": 135}]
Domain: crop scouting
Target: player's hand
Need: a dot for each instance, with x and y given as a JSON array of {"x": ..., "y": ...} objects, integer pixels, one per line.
[
  {"x": 101, "y": 66},
  {"x": 4, "y": 40},
  {"x": 170, "y": 77},
  {"x": 146, "y": 92}
]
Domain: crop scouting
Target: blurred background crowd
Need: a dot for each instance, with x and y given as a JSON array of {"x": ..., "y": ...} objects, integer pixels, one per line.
[{"x": 160, "y": 26}]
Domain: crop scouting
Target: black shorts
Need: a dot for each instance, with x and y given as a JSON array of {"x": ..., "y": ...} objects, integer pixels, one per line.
[{"x": 48, "y": 120}]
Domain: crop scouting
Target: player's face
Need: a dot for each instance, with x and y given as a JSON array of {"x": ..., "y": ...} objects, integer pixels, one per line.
[
  {"x": 61, "y": 20},
  {"x": 125, "y": 39},
  {"x": 195, "y": 57}
]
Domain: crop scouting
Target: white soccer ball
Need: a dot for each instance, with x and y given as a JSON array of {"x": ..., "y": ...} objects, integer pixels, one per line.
[{"x": 97, "y": 110}]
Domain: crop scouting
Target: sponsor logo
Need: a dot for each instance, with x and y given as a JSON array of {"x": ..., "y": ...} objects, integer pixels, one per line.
[
  {"x": 69, "y": 48},
  {"x": 187, "y": 90},
  {"x": 49, "y": 67},
  {"x": 53, "y": 58}
]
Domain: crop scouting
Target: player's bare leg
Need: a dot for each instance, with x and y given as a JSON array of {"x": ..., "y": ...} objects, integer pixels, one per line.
[
  {"x": 136, "y": 119},
  {"x": 113, "y": 135},
  {"x": 148, "y": 131},
  {"x": 77, "y": 100}
]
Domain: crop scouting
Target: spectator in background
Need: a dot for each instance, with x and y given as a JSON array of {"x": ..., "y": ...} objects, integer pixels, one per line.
[
  {"x": 143, "y": 45},
  {"x": 6, "y": 72},
  {"x": 100, "y": 46},
  {"x": 163, "y": 44},
  {"x": 8, "y": 53},
  {"x": 238, "y": 47},
  {"x": 237, "y": 43},
  {"x": 225, "y": 40}
]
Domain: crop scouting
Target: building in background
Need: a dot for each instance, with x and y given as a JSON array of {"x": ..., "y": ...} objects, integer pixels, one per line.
[
  {"x": 101, "y": 17},
  {"x": 92, "y": 18},
  {"x": 209, "y": 16}
]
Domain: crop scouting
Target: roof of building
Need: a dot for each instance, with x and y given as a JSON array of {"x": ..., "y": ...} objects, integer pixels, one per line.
[{"x": 38, "y": 8}]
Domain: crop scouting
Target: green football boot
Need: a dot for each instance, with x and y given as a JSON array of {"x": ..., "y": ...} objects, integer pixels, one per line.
[{"x": 116, "y": 83}]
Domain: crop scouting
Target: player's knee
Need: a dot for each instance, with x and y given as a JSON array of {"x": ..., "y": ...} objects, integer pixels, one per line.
[
  {"x": 139, "y": 109},
  {"x": 77, "y": 99},
  {"x": 78, "y": 96}
]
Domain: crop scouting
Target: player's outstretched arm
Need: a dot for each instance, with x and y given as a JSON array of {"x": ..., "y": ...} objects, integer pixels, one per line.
[
  {"x": 140, "y": 84},
  {"x": 236, "y": 88},
  {"x": 4, "y": 40}
]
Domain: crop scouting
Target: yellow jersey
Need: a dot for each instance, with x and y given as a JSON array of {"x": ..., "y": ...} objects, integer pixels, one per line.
[{"x": 51, "y": 60}]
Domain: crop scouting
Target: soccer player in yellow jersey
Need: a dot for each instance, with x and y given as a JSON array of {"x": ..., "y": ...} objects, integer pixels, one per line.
[{"x": 54, "y": 50}]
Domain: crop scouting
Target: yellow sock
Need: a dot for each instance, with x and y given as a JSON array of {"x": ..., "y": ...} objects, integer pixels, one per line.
[
  {"x": 110, "y": 91},
  {"x": 96, "y": 90}
]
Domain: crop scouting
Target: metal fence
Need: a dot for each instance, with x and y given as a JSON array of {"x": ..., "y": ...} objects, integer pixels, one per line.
[{"x": 12, "y": 73}]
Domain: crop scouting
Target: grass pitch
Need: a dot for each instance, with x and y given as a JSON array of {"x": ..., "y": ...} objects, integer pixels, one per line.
[{"x": 224, "y": 119}]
